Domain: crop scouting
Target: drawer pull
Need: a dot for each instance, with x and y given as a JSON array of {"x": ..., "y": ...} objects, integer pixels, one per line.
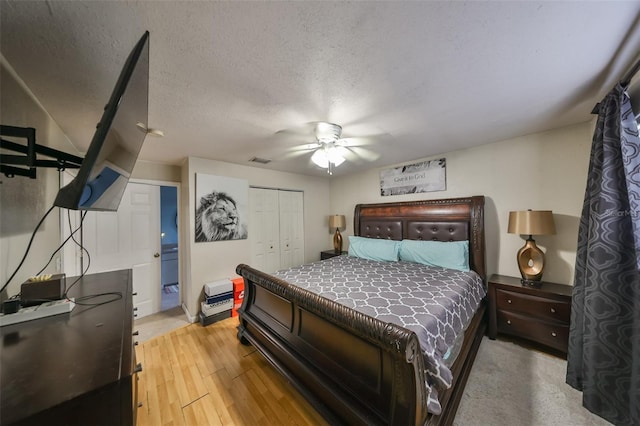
[
  {"x": 138, "y": 368},
  {"x": 553, "y": 333},
  {"x": 139, "y": 404},
  {"x": 553, "y": 311},
  {"x": 509, "y": 322},
  {"x": 508, "y": 300}
]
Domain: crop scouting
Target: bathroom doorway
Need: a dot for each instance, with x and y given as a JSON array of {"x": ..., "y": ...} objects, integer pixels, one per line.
[{"x": 170, "y": 285}]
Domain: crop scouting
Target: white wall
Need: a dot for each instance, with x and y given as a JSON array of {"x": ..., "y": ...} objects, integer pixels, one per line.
[
  {"x": 205, "y": 262},
  {"x": 542, "y": 171},
  {"x": 146, "y": 170},
  {"x": 23, "y": 201}
]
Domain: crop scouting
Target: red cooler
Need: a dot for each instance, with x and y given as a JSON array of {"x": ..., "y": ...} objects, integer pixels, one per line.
[{"x": 238, "y": 295}]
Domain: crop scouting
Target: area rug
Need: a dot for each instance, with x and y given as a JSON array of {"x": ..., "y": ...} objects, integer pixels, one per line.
[{"x": 517, "y": 386}]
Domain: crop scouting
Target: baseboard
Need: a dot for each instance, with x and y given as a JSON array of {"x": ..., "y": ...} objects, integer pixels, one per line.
[{"x": 190, "y": 318}]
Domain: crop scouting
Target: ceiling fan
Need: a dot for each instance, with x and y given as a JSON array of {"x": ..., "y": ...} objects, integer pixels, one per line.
[{"x": 330, "y": 150}]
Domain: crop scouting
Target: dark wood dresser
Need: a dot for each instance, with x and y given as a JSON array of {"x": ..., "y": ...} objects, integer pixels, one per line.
[
  {"x": 538, "y": 314},
  {"x": 77, "y": 368}
]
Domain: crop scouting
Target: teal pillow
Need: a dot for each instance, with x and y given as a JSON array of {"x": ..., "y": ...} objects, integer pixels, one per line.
[
  {"x": 452, "y": 254},
  {"x": 374, "y": 248}
]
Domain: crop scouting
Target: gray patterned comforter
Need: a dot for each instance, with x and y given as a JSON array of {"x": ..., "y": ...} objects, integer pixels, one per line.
[{"x": 436, "y": 303}]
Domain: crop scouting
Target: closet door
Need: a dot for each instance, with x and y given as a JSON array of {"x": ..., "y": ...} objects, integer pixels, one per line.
[
  {"x": 291, "y": 228},
  {"x": 264, "y": 230}
]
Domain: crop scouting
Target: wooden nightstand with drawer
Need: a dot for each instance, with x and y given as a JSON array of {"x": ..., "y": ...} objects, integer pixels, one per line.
[
  {"x": 328, "y": 254},
  {"x": 539, "y": 314}
]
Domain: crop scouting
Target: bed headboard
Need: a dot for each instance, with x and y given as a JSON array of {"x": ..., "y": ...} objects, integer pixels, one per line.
[{"x": 453, "y": 219}]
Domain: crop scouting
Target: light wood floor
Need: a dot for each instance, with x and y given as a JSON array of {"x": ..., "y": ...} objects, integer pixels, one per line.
[{"x": 200, "y": 376}]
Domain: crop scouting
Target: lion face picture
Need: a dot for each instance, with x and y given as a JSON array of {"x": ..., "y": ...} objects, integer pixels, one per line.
[{"x": 219, "y": 214}]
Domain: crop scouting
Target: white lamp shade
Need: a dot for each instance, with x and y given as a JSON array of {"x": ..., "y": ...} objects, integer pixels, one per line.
[
  {"x": 320, "y": 158},
  {"x": 335, "y": 155}
]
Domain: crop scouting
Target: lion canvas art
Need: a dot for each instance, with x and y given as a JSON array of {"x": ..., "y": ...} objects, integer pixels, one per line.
[{"x": 221, "y": 208}]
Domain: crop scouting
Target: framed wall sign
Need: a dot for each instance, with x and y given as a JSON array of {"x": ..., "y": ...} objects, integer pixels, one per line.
[{"x": 426, "y": 176}]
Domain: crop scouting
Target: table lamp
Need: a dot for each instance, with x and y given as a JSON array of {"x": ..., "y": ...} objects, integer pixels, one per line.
[
  {"x": 530, "y": 257},
  {"x": 337, "y": 221}
]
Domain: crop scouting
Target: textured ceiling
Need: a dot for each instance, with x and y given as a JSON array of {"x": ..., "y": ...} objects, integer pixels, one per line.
[{"x": 234, "y": 80}]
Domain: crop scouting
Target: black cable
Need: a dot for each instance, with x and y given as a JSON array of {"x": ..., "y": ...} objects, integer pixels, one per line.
[
  {"x": 82, "y": 248},
  {"x": 64, "y": 242},
  {"x": 79, "y": 300},
  {"x": 79, "y": 244},
  {"x": 28, "y": 248}
]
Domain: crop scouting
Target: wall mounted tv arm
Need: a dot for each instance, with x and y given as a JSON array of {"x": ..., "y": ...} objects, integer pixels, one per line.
[{"x": 26, "y": 163}]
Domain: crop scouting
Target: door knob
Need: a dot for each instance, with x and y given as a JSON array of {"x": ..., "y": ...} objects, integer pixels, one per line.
[{"x": 156, "y": 255}]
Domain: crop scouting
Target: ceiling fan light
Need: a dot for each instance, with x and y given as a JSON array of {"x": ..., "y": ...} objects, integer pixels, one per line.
[
  {"x": 320, "y": 158},
  {"x": 336, "y": 160},
  {"x": 335, "y": 156}
]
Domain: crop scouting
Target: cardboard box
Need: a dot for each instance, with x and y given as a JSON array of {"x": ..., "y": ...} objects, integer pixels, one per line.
[
  {"x": 216, "y": 308},
  {"x": 207, "y": 320},
  {"x": 238, "y": 295},
  {"x": 216, "y": 287},
  {"x": 211, "y": 300}
]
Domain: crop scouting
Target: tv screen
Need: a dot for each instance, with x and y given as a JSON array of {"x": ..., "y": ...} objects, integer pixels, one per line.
[{"x": 116, "y": 143}]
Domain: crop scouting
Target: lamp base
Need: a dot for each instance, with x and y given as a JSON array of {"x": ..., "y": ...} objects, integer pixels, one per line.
[
  {"x": 337, "y": 242},
  {"x": 530, "y": 283},
  {"x": 530, "y": 262}
]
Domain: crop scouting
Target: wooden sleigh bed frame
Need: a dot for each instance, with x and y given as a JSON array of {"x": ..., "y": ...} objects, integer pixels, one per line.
[{"x": 355, "y": 369}]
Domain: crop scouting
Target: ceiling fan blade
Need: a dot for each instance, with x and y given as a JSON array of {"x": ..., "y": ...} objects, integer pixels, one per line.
[
  {"x": 351, "y": 156},
  {"x": 357, "y": 141},
  {"x": 299, "y": 150},
  {"x": 295, "y": 154},
  {"x": 306, "y": 130},
  {"x": 363, "y": 153}
]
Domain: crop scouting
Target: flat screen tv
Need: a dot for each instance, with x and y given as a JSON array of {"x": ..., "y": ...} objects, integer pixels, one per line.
[{"x": 107, "y": 166}]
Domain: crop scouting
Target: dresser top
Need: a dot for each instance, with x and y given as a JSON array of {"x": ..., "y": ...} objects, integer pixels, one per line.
[{"x": 545, "y": 286}]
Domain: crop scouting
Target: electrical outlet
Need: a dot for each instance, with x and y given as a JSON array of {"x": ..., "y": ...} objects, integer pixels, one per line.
[{"x": 58, "y": 264}]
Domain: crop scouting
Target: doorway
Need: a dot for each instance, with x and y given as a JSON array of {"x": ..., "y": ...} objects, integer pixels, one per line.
[
  {"x": 130, "y": 239},
  {"x": 170, "y": 283}
]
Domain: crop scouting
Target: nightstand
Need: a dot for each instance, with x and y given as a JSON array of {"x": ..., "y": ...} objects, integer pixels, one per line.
[
  {"x": 328, "y": 254},
  {"x": 539, "y": 314}
]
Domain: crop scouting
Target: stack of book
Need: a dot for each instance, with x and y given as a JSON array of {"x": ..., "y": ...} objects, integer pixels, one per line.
[{"x": 218, "y": 301}]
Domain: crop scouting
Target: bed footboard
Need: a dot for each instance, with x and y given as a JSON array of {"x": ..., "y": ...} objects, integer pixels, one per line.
[{"x": 354, "y": 369}]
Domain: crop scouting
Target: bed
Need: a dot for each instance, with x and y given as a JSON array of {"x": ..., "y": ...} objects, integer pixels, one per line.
[{"x": 354, "y": 368}]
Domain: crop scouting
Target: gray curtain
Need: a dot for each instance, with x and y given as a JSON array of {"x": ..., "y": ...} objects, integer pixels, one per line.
[{"x": 604, "y": 339}]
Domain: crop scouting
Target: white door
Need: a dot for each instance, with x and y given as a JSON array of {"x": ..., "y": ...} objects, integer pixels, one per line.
[
  {"x": 264, "y": 232},
  {"x": 291, "y": 228},
  {"x": 130, "y": 239}
]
